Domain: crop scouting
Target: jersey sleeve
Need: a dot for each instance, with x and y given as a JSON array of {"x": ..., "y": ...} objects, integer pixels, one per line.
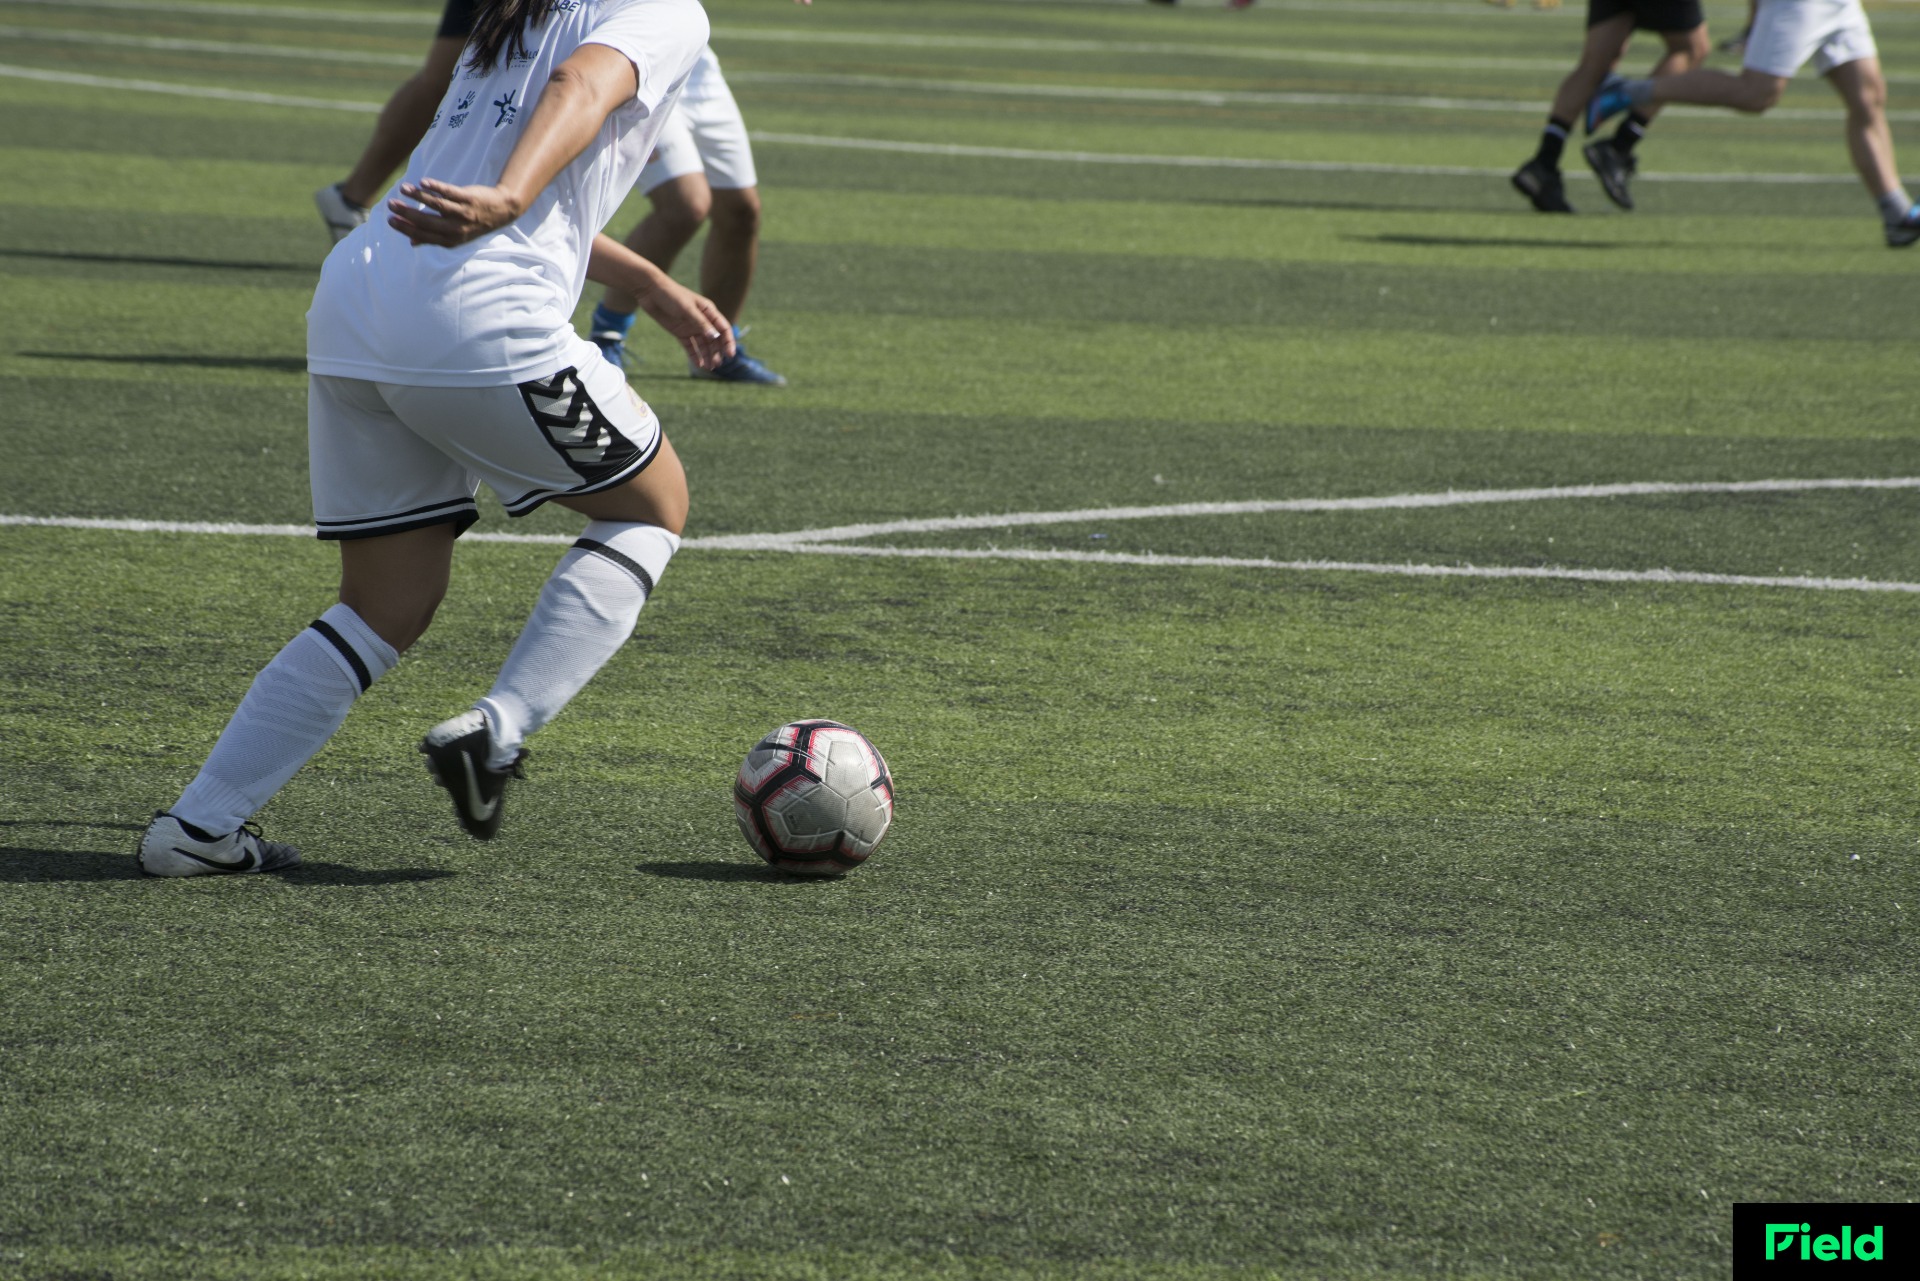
[{"x": 662, "y": 38}]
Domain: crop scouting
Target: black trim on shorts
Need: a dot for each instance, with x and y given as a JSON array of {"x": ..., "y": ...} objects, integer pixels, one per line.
[
  {"x": 339, "y": 642},
  {"x": 534, "y": 499},
  {"x": 621, "y": 559},
  {"x": 1649, "y": 15},
  {"x": 411, "y": 511},
  {"x": 463, "y": 519},
  {"x": 456, "y": 20}
]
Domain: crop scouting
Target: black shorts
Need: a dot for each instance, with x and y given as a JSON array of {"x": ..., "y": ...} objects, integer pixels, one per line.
[
  {"x": 1649, "y": 15},
  {"x": 457, "y": 19}
]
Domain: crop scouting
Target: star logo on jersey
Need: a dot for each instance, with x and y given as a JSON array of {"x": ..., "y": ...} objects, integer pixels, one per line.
[{"x": 508, "y": 108}]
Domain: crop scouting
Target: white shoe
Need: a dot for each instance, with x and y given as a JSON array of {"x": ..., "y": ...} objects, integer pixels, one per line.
[
  {"x": 340, "y": 214},
  {"x": 169, "y": 849}
]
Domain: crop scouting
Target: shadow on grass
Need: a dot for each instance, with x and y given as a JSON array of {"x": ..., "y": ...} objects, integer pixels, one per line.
[
  {"x": 1500, "y": 242},
  {"x": 25, "y": 866},
  {"x": 723, "y": 870},
  {"x": 145, "y": 260},
  {"x": 274, "y": 364}
]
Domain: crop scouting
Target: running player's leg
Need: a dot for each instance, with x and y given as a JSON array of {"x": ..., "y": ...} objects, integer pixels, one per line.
[
  {"x": 403, "y": 122},
  {"x": 1862, "y": 86},
  {"x": 733, "y": 229},
  {"x": 1609, "y": 27},
  {"x": 396, "y": 523},
  {"x": 1612, "y": 159}
]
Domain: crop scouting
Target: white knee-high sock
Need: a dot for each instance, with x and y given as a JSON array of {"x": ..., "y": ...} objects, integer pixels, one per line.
[
  {"x": 293, "y": 707},
  {"x": 585, "y": 613}
]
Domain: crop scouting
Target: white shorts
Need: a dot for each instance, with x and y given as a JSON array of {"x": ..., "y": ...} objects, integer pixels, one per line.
[
  {"x": 705, "y": 136},
  {"x": 1787, "y": 33},
  {"x": 387, "y": 457}
]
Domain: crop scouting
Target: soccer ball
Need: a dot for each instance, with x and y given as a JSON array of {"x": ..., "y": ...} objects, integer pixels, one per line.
[{"x": 814, "y": 798}]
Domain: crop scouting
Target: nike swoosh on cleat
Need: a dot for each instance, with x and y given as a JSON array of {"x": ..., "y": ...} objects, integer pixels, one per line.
[
  {"x": 481, "y": 808},
  {"x": 244, "y": 865}
]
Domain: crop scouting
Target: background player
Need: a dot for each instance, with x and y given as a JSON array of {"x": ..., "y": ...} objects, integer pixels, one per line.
[
  {"x": 701, "y": 172},
  {"x": 1782, "y": 37},
  {"x": 1610, "y": 25},
  {"x": 430, "y": 372},
  {"x": 403, "y": 122}
]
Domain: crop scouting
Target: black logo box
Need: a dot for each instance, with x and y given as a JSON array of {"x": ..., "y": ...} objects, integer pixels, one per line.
[{"x": 1838, "y": 1237}]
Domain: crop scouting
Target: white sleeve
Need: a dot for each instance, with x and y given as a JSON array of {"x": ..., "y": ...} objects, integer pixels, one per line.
[{"x": 662, "y": 38}]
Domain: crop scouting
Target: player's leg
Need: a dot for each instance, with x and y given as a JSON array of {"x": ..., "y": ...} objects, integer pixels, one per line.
[
  {"x": 402, "y": 123},
  {"x": 395, "y": 505},
  {"x": 1612, "y": 159},
  {"x": 582, "y": 439},
  {"x": 675, "y": 184},
  {"x": 1863, "y": 87},
  {"x": 1782, "y": 39},
  {"x": 733, "y": 249},
  {"x": 733, "y": 230},
  {"x": 1609, "y": 28}
]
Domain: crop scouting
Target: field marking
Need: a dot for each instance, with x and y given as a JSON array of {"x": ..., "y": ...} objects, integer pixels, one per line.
[
  {"x": 896, "y": 40},
  {"x": 1232, "y": 97},
  {"x": 968, "y": 151},
  {"x": 831, "y": 541},
  {"x": 1389, "y": 502},
  {"x": 167, "y": 44},
  {"x": 954, "y": 149}
]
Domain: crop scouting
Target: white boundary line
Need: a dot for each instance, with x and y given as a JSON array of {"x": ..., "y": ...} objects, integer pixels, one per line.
[
  {"x": 961, "y": 150},
  {"x": 830, "y": 541}
]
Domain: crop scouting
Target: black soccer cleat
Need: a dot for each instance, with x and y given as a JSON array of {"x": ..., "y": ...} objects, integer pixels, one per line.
[
  {"x": 1540, "y": 183},
  {"x": 456, "y": 752},
  {"x": 1614, "y": 168}
]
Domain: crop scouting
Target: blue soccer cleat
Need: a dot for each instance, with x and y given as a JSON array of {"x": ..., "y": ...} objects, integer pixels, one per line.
[
  {"x": 1903, "y": 231},
  {"x": 739, "y": 368},
  {"x": 612, "y": 344},
  {"x": 1609, "y": 100}
]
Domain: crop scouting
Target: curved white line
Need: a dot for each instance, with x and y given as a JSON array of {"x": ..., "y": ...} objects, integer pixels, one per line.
[
  {"x": 1390, "y": 502},
  {"x": 830, "y": 542}
]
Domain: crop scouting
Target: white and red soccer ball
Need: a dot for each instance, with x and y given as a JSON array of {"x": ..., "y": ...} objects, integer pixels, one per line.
[{"x": 814, "y": 798}]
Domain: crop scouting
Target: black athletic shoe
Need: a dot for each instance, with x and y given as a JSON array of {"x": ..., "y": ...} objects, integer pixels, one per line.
[
  {"x": 1614, "y": 168},
  {"x": 456, "y": 752},
  {"x": 1541, "y": 184}
]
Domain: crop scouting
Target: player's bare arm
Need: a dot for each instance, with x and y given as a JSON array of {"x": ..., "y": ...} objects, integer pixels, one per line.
[
  {"x": 582, "y": 92},
  {"x": 694, "y": 320}
]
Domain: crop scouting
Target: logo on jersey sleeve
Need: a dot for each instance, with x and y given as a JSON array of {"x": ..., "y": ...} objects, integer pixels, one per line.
[{"x": 507, "y": 107}]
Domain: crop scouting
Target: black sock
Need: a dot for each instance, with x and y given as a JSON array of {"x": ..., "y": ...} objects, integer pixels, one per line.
[
  {"x": 1553, "y": 139},
  {"x": 1630, "y": 132}
]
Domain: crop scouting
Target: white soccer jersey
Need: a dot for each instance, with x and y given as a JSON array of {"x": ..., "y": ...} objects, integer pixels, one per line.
[{"x": 499, "y": 309}]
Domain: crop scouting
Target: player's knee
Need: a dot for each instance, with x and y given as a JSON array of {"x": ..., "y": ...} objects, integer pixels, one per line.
[
  {"x": 737, "y": 212},
  {"x": 681, "y": 209},
  {"x": 1761, "y": 94}
]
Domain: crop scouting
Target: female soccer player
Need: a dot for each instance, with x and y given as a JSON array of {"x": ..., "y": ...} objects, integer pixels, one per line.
[{"x": 440, "y": 355}]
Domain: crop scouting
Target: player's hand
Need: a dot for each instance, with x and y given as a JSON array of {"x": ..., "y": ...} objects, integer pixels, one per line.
[
  {"x": 700, "y": 326},
  {"x": 446, "y": 215}
]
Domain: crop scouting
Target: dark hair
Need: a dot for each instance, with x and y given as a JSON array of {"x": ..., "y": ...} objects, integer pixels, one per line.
[{"x": 500, "y": 26}]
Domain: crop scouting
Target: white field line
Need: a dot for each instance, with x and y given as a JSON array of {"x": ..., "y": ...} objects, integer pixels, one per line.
[
  {"x": 165, "y": 44},
  {"x": 963, "y": 150},
  {"x": 1389, "y": 502},
  {"x": 896, "y": 40},
  {"x": 830, "y": 541},
  {"x": 119, "y": 85},
  {"x": 1229, "y": 97}
]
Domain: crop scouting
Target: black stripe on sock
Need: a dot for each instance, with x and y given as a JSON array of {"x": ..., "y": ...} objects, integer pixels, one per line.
[
  {"x": 354, "y": 660},
  {"x": 627, "y": 563}
]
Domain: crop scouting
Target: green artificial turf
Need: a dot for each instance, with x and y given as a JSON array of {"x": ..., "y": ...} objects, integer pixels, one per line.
[{"x": 1237, "y": 922}]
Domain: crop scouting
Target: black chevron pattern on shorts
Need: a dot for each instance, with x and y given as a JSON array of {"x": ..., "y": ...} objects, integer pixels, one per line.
[{"x": 578, "y": 429}]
